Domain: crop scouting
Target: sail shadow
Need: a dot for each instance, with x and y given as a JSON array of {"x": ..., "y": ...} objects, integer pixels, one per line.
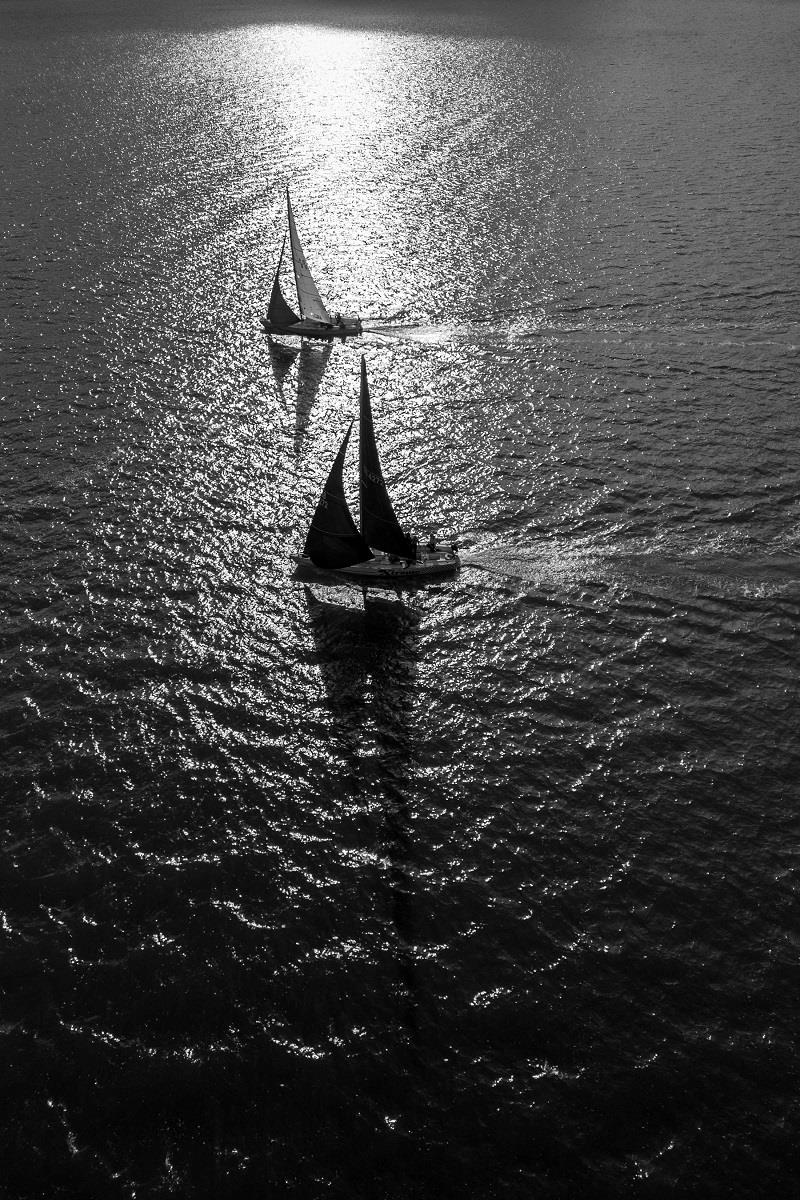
[
  {"x": 310, "y": 362},
  {"x": 310, "y": 370},
  {"x": 281, "y": 359},
  {"x": 368, "y": 656}
]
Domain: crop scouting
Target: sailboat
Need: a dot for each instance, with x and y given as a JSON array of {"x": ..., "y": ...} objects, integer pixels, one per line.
[
  {"x": 314, "y": 320},
  {"x": 380, "y": 550}
]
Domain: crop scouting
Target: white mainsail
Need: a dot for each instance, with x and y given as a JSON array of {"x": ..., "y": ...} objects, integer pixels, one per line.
[{"x": 308, "y": 297}]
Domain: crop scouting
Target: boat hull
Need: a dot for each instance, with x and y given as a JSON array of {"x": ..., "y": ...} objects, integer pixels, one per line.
[
  {"x": 388, "y": 568},
  {"x": 347, "y": 327}
]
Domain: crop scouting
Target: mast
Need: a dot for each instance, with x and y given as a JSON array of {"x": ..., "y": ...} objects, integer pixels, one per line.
[
  {"x": 308, "y": 298},
  {"x": 333, "y": 538},
  {"x": 379, "y": 525}
]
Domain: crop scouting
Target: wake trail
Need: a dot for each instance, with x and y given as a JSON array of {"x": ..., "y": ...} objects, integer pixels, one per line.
[{"x": 561, "y": 566}]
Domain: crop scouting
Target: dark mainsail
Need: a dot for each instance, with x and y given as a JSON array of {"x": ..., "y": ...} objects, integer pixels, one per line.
[
  {"x": 379, "y": 525},
  {"x": 333, "y": 540},
  {"x": 279, "y": 312}
]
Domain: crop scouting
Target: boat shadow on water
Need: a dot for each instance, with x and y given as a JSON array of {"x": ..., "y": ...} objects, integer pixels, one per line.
[
  {"x": 367, "y": 655},
  {"x": 366, "y": 651},
  {"x": 282, "y": 358},
  {"x": 311, "y": 362}
]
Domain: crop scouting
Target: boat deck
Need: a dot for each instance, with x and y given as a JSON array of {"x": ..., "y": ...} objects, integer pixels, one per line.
[
  {"x": 389, "y": 568},
  {"x": 347, "y": 327}
]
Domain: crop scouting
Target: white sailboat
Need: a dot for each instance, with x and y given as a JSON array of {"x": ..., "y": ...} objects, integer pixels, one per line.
[
  {"x": 380, "y": 550},
  {"x": 314, "y": 320}
]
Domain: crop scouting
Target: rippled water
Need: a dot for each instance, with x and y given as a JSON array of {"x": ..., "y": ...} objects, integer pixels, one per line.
[{"x": 486, "y": 889}]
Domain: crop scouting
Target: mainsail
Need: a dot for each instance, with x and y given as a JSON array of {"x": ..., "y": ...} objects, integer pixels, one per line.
[
  {"x": 333, "y": 540},
  {"x": 279, "y": 312},
  {"x": 379, "y": 525},
  {"x": 308, "y": 298}
]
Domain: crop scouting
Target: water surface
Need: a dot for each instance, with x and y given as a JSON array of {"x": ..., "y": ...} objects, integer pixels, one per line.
[{"x": 486, "y": 888}]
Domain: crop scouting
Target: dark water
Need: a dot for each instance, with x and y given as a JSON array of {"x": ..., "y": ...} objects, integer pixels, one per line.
[{"x": 485, "y": 890}]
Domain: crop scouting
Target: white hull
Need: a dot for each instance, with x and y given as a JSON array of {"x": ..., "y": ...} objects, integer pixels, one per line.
[
  {"x": 387, "y": 568},
  {"x": 347, "y": 327}
]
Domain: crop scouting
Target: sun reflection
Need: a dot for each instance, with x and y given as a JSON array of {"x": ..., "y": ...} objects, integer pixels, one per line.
[{"x": 330, "y": 116}]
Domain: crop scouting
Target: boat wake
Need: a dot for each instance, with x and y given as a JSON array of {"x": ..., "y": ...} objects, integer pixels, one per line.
[
  {"x": 556, "y": 566},
  {"x": 581, "y": 329},
  {"x": 433, "y": 334}
]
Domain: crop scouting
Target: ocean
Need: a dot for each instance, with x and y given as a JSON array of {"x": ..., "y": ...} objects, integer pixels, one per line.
[{"x": 485, "y": 888}]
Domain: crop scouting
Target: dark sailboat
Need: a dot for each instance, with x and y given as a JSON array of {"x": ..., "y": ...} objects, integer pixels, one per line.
[
  {"x": 314, "y": 320},
  {"x": 380, "y": 549}
]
